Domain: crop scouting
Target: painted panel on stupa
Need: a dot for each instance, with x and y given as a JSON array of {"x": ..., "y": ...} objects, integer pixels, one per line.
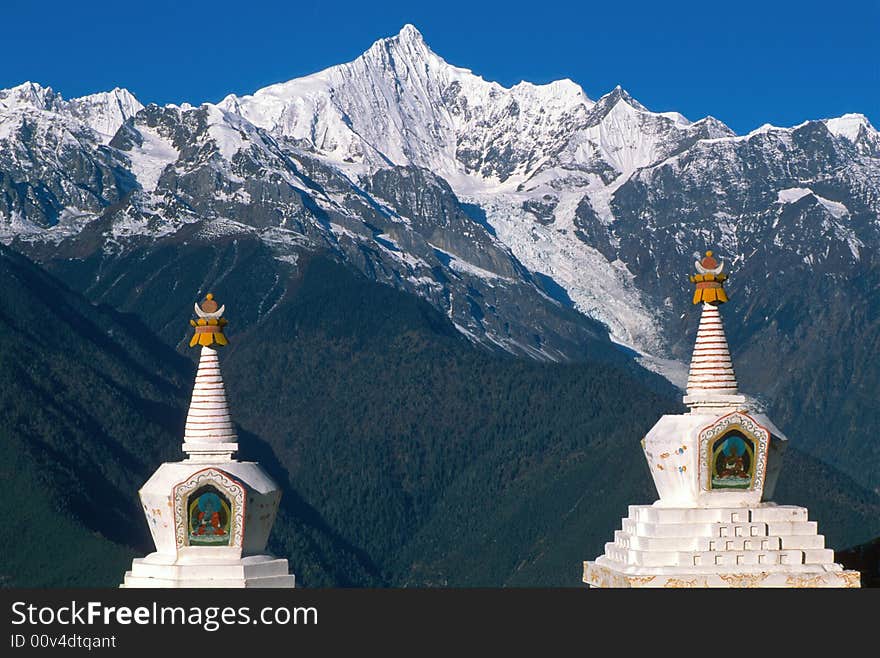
[
  {"x": 733, "y": 461},
  {"x": 209, "y": 510},
  {"x": 210, "y": 517},
  {"x": 733, "y": 454}
]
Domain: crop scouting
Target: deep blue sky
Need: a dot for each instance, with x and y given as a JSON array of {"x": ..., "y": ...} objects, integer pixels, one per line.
[{"x": 745, "y": 62}]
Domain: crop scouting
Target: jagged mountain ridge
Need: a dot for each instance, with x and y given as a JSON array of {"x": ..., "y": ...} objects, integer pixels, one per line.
[
  {"x": 103, "y": 112},
  {"x": 543, "y": 162},
  {"x": 508, "y": 209},
  {"x": 401, "y": 103},
  {"x": 240, "y": 180},
  {"x": 549, "y": 190}
]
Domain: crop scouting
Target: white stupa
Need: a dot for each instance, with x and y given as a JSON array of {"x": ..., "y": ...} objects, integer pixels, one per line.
[
  {"x": 715, "y": 469},
  {"x": 210, "y": 515}
]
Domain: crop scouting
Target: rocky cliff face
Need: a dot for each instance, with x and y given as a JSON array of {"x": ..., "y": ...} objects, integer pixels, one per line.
[
  {"x": 54, "y": 168},
  {"x": 214, "y": 171}
]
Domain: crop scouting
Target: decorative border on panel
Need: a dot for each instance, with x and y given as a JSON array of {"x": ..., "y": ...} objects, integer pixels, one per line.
[
  {"x": 747, "y": 425},
  {"x": 228, "y": 485}
]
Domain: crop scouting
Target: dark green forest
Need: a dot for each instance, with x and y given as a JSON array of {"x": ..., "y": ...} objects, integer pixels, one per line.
[{"x": 407, "y": 456}]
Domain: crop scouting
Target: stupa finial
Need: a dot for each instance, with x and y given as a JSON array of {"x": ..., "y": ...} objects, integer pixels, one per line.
[
  {"x": 209, "y": 326},
  {"x": 709, "y": 281}
]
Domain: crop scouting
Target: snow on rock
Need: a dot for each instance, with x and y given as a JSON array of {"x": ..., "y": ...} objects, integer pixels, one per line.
[
  {"x": 456, "y": 264},
  {"x": 540, "y": 162},
  {"x": 29, "y": 95},
  {"x": 17, "y": 226},
  {"x": 834, "y": 208},
  {"x": 401, "y": 103},
  {"x": 27, "y": 100},
  {"x": 677, "y": 118},
  {"x": 106, "y": 111},
  {"x": 856, "y": 129},
  {"x": 150, "y": 159},
  {"x": 103, "y": 113},
  {"x": 622, "y": 138},
  {"x": 223, "y": 227},
  {"x": 599, "y": 289},
  {"x": 794, "y": 194},
  {"x": 226, "y": 130},
  {"x": 129, "y": 223},
  {"x": 849, "y": 126}
]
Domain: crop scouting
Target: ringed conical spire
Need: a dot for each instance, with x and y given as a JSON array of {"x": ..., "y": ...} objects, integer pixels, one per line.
[
  {"x": 711, "y": 379},
  {"x": 209, "y": 434},
  {"x": 711, "y": 366}
]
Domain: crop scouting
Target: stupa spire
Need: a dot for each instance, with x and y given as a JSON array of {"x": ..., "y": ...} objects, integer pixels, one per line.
[
  {"x": 711, "y": 379},
  {"x": 715, "y": 469},
  {"x": 209, "y": 434}
]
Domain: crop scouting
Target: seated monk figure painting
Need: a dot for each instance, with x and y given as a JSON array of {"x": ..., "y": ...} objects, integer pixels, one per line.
[
  {"x": 733, "y": 458},
  {"x": 209, "y": 516}
]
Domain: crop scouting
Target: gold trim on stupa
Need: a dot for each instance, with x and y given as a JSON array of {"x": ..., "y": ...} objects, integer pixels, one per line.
[
  {"x": 709, "y": 281},
  {"x": 209, "y": 326}
]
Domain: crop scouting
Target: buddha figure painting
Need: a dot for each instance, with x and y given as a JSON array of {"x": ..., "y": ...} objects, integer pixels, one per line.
[
  {"x": 209, "y": 517},
  {"x": 733, "y": 458}
]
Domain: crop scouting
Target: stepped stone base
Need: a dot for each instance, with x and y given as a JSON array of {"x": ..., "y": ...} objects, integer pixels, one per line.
[
  {"x": 766, "y": 545},
  {"x": 158, "y": 570}
]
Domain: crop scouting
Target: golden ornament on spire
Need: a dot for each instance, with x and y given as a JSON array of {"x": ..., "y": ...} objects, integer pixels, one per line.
[
  {"x": 709, "y": 280},
  {"x": 209, "y": 326}
]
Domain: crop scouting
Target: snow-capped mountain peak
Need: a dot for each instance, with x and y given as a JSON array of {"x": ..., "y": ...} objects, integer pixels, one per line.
[
  {"x": 402, "y": 103},
  {"x": 849, "y": 125},
  {"x": 410, "y": 32},
  {"x": 28, "y": 95},
  {"x": 857, "y": 129},
  {"x": 103, "y": 112},
  {"x": 614, "y": 97},
  {"x": 406, "y": 44}
]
